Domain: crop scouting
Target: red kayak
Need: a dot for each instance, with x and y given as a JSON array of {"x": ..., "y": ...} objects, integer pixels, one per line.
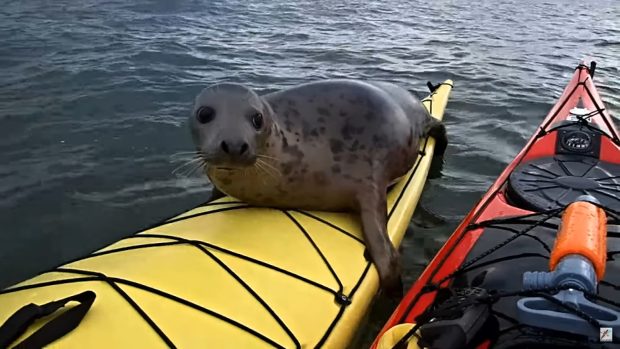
[{"x": 536, "y": 262}]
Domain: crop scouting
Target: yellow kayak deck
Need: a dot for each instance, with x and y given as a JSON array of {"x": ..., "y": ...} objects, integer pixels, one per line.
[{"x": 226, "y": 275}]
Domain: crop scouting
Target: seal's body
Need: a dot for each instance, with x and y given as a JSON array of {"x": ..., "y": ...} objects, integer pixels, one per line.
[{"x": 331, "y": 145}]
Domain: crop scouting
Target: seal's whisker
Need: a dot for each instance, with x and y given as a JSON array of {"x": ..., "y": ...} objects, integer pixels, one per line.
[
  {"x": 183, "y": 167},
  {"x": 203, "y": 168},
  {"x": 270, "y": 166},
  {"x": 196, "y": 168},
  {"x": 267, "y": 157},
  {"x": 267, "y": 163},
  {"x": 188, "y": 167},
  {"x": 190, "y": 171},
  {"x": 183, "y": 155},
  {"x": 188, "y": 163},
  {"x": 194, "y": 159},
  {"x": 268, "y": 169},
  {"x": 193, "y": 156},
  {"x": 180, "y": 153},
  {"x": 258, "y": 168}
]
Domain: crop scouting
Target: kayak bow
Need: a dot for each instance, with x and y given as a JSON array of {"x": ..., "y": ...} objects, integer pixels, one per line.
[{"x": 506, "y": 278}]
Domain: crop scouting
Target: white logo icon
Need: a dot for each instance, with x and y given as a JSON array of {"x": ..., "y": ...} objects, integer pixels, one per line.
[{"x": 606, "y": 334}]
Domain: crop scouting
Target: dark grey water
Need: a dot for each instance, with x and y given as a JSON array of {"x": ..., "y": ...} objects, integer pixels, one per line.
[{"x": 94, "y": 96}]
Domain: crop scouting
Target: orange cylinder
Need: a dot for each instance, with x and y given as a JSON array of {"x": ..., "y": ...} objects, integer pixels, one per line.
[{"x": 583, "y": 231}]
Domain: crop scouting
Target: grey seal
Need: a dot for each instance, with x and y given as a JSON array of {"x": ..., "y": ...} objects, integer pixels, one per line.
[{"x": 332, "y": 145}]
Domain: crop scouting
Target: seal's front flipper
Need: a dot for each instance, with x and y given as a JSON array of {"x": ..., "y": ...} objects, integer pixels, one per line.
[
  {"x": 436, "y": 167},
  {"x": 215, "y": 194},
  {"x": 437, "y": 130},
  {"x": 373, "y": 211}
]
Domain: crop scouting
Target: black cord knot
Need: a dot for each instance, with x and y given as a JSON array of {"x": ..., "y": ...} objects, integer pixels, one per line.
[{"x": 342, "y": 299}]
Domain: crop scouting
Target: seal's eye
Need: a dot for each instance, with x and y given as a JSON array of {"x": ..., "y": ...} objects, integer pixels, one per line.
[
  {"x": 205, "y": 114},
  {"x": 257, "y": 121}
]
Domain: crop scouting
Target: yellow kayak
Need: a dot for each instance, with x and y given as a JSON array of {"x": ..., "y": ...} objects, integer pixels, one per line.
[{"x": 222, "y": 275}]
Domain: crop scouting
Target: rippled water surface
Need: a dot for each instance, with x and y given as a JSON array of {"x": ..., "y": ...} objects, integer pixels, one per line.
[{"x": 94, "y": 97}]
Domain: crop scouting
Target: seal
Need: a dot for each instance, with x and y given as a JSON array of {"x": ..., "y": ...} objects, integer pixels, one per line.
[{"x": 332, "y": 145}]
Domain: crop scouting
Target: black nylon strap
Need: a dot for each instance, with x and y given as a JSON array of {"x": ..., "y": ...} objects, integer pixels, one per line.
[{"x": 17, "y": 323}]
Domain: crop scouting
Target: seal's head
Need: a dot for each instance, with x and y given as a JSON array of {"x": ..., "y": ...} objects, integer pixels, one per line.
[{"x": 230, "y": 124}]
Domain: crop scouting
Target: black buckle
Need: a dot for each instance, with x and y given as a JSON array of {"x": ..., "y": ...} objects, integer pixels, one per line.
[{"x": 456, "y": 321}]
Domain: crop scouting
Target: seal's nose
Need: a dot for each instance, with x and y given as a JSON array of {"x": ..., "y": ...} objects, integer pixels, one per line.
[{"x": 234, "y": 148}]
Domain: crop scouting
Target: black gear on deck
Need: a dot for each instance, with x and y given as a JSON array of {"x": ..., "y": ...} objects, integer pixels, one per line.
[{"x": 552, "y": 182}]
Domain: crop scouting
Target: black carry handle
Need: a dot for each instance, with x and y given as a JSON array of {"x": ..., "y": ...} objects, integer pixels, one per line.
[
  {"x": 432, "y": 87},
  {"x": 54, "y": 329}
]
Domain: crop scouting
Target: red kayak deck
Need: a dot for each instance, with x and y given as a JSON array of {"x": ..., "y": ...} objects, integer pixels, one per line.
[{"x": 555, "y": 140}]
